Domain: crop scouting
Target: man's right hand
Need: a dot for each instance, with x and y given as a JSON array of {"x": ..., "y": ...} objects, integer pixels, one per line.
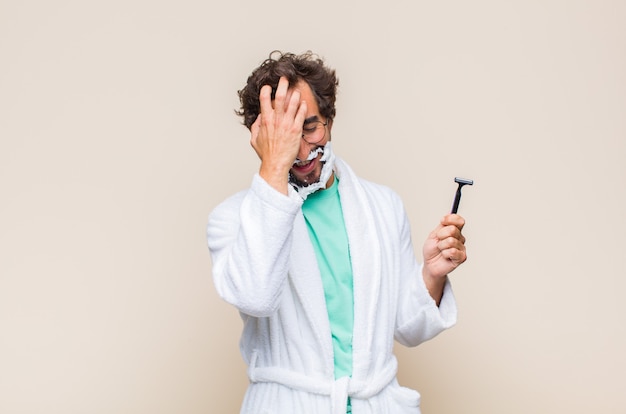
[{"x": 276, "y": 134}]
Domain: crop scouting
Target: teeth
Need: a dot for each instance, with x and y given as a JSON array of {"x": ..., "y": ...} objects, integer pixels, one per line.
[{"x": 312, "y": 155}]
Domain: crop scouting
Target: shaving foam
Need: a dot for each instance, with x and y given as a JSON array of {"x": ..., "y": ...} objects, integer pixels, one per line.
[{"x": 328, "y": 163}]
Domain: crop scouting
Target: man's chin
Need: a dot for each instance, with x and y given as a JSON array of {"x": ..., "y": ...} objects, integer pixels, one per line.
[{"x": 303, "y": 181}]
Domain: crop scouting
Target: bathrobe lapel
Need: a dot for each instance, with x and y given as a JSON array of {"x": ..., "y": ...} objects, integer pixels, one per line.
[
  {"x": 363, "y": 239},
  {"x": 365, "y": 254},
  {"x": 307, "y": 283}
]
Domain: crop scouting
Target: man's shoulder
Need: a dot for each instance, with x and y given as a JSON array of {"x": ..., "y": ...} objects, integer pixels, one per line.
[
  {"x": 381, "y": 192},
  {"x": 230, "y": 203},
  {"x": 375, "y": 186},
  {"x": 374, "y": 189},
  {"x": 259, "y": 197}
]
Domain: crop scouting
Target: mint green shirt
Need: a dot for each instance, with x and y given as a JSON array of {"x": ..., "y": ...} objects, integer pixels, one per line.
[{"x": 327, "y": 230}]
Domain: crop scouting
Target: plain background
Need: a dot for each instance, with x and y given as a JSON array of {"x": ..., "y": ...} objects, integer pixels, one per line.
[{"x": 117, "y": 138}]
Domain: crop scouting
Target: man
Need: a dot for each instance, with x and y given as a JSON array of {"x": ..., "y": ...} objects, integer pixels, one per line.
[{"x": 319, "y": 262}]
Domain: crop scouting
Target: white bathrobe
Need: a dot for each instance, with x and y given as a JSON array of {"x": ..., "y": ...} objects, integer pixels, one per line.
[{"x": 264, "y": 264}]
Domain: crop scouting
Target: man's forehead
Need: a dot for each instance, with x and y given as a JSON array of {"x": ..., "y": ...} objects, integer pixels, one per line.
[{"x": 300, "y": 86}]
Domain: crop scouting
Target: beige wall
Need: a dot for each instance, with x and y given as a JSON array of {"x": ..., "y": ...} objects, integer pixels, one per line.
[{"x": 117, "y": 138}]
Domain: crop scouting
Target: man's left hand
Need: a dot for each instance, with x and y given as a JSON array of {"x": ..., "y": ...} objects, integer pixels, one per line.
[{"x": 444, "y": 251}]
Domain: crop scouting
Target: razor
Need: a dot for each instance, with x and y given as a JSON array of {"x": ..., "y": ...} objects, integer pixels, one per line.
[{"x": 457, "y": 197}]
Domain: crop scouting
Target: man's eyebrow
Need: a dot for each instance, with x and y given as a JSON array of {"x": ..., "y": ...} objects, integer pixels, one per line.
[{"x": 310, "y": 119}]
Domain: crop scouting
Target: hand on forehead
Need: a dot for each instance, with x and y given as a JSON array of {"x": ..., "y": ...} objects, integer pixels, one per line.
[{"x": 285, "y": 107}]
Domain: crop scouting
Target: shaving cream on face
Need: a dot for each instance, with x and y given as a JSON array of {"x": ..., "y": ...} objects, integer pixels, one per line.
[{"x": 328, "y": 162}]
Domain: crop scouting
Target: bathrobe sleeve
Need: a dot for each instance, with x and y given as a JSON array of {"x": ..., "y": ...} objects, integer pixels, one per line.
[
  {"x": 249, "y": 236},
  {"x": 418, "y": 316}
]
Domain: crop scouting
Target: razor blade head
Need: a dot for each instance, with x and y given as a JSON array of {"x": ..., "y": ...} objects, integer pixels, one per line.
[{"x": 463, "y": 181}]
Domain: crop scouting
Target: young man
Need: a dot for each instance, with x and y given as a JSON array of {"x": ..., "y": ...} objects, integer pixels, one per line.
[{"x": 319, "y": 262}]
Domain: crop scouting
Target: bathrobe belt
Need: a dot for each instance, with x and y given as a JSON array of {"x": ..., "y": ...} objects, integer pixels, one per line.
[{"x": 339, "y": 390}]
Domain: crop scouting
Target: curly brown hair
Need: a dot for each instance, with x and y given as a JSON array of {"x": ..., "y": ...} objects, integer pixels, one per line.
[{"x": 307, "y": 66}]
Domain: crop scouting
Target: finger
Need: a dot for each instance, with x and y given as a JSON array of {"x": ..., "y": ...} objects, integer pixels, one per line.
[
  {"x": 453, "y": 220},
  {"x": 254, "y": 129},
  {"x": 450, "y": 243},
  {"x": 293, "y": 104},
  {"x": 450, "y": 231},
  {"x": 280, "y": 98},
  {"x": 301, "y": 114},
  {"x": 457, "y": 256},
  {"x": 265, "y": 99}
]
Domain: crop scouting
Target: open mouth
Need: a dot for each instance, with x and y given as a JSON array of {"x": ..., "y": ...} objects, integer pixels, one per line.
[
  {"x": 303, "y": 164},
  {"x": 304, "y": 167}
]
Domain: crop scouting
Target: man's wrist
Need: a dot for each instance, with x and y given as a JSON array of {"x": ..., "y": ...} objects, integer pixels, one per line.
[
  {"x": 434, "y": 284},
  {"x": 276, "y": 177}
]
